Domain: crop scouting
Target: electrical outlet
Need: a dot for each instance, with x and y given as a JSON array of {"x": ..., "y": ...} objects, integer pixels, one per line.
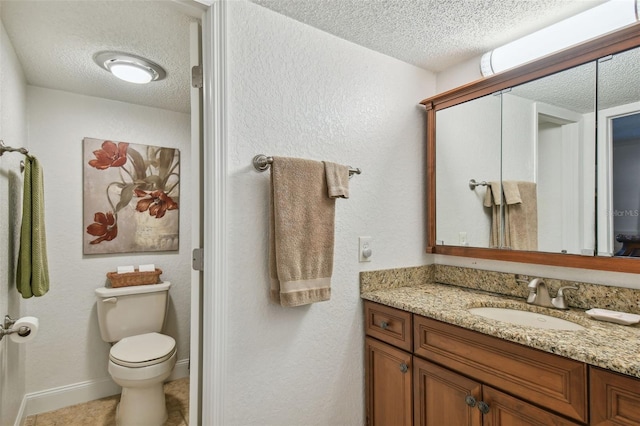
[
  {"x": 365, "y": 251},
  {"x": 462, "y": 239}
]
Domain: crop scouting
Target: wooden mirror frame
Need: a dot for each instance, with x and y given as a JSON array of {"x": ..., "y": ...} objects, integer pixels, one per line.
[{"x": 624, "y": 39}]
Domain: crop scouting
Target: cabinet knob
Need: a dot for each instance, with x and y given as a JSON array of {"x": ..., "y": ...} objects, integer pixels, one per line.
[
  {"x": 471, "y": 401},
  {"x": 384, "y": 325},
  {"x": 483, "y": 407},
  {"x": 404, "y": 367}
]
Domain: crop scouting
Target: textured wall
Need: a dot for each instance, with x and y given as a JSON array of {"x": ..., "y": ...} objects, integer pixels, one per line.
[
  {"x": 69, "y": 349},
  {"x": 296, "y": 91},
  {"x": 13, "y": 131}
]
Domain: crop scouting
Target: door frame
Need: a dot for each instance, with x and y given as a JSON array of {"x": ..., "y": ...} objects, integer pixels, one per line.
[
  {"x": 208, "y": 296},
  {"x": 573, "y": 205},
  {"x": 214, "y": 296},
  {"x": 605, "y": 173}
]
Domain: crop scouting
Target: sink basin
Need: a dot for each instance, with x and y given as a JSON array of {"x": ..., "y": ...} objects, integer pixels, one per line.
[{"x": 526, "y": 318}]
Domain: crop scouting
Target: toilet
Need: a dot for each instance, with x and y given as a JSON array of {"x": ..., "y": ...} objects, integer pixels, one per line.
[{"x": 141, "y": 358}]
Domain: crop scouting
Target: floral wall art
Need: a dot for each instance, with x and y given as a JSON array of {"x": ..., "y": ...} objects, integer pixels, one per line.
[{"x": 131, "y": 197}]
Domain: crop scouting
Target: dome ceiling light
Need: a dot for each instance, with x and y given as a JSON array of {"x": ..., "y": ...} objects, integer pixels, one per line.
[{"x": 128, "y": 67}]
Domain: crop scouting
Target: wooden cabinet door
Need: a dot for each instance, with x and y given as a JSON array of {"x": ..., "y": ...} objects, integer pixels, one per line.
[
  {"x": 505, "y": 410},
  {"x": 615, "y": 398},
  {"x": 388, "y": 384},
  {"x": 537, "y": 377},
  {"x": 440, "y": 397}
]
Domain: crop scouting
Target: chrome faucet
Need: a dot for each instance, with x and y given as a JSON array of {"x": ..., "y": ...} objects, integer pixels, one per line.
[{"x": 539, "y": 295}]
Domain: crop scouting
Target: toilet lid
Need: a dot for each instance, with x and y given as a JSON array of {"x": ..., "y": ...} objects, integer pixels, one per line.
[{"x": 143, "y": 350}]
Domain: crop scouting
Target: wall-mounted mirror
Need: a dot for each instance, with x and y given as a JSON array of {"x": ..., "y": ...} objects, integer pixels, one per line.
[
  {"x": 619, "y": 154},
  {"x": 552, "y": 186},
  {"x": 535, "y": 139}
]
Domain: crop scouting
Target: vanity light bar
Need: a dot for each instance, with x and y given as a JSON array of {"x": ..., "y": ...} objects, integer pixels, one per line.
[{"x": 607, "y": 17}]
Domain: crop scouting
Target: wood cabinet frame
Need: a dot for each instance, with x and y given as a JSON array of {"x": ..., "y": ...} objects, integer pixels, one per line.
[{"x": 619, "y": 41}]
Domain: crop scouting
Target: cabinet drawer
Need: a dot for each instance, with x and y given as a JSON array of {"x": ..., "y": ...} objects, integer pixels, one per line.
[
  {"x": 556, "y": 383},
  {"x": 507, "y": 410},
  {"x": 388, "y": 324},
  {"x": 615, "y": 398}
]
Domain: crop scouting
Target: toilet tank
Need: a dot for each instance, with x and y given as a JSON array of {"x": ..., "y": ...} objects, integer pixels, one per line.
[{"x": 133, "y": 310}]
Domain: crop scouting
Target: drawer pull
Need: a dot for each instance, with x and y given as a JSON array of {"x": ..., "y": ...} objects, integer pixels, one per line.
[
  {"x": 404, "y": 367},
  {"x": 483, "y": 407},
  {"x": 384, "y": 325},
  {"x": 471, "y": 401}
]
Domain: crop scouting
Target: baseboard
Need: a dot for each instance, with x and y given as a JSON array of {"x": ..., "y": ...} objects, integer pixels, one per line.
[
  {"x": 77, "y": 393},
  {"x": 64, "y": 396},
  {"x": 181, "y": 370}
]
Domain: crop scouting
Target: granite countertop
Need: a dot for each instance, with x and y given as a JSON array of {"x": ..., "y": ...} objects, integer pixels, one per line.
[{"x": 603, "y": 344}]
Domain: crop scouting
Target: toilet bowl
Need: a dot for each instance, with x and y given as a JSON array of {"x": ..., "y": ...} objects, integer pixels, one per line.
[
  {"x": 141, "y": 359},
  {"x": 140, "y": 364}
]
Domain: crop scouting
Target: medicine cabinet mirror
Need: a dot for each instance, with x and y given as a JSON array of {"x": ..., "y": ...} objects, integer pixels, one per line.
[{"x": 541, "y": 164}]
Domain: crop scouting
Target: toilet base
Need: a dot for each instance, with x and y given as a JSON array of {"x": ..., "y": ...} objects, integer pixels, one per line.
[{"x": 142, "y": 406}]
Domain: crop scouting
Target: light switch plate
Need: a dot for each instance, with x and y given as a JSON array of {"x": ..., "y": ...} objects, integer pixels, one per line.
[{"x": 365, "y": 250}]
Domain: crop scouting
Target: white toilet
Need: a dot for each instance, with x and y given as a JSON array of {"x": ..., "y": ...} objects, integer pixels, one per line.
[{"x": 141, "y": 358}]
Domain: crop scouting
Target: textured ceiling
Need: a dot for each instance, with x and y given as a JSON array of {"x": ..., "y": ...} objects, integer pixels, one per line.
[
  {"x": 55, "y": 42},
  {"x": 431, "y": 34},
  {"x": 616, "y": 80}
]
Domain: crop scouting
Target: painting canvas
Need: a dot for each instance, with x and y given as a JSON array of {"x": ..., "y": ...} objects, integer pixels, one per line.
[{"x": 131, "y": 197}]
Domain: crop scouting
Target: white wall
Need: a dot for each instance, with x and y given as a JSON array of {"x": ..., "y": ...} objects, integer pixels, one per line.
[
  {"x": 68, "y": 349},
  {"x": 459, "y": 75},
  {"x": 296, "y": 91},
  {"x": 466, "y": 152},
  {"x": 13, "y": 131}
]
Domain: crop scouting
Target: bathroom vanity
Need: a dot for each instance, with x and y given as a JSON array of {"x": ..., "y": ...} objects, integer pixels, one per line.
[
  {"x": 430, "y": 361},
  {"x": 549, "y": 124}
]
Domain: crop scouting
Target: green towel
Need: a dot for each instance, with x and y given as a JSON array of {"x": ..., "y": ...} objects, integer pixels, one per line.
[{"x": 32, "y": 275}]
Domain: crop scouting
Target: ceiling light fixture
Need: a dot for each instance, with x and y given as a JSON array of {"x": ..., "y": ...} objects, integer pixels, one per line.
[
  {"x": 128, "y": 67},
  {"x": 589, "y": 24}
]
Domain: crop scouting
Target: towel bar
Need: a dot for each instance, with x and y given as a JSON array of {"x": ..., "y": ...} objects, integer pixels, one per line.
[
  {"x": 261, "y": 163},
  {"x": 4, "y": 148},
  {"x": 473, "y": 183}
]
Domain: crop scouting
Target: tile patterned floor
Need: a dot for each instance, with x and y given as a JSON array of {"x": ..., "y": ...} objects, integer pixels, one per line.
[{"x": 102, "y": 412}]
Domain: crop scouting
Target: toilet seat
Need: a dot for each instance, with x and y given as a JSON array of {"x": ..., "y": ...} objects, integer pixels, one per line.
[{"x": 142, "y": 350}]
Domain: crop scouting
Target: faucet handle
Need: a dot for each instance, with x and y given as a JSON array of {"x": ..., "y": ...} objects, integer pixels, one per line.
[
  {"x": 535, "y": 283},
  {"x": 567, "y": 287},
  {"x": 559, "y": 301}
]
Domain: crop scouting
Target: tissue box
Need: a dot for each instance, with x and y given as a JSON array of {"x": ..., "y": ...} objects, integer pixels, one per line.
[{"x": 134, "y": 278}]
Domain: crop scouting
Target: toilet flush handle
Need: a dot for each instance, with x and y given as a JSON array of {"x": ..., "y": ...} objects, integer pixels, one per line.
[{"x": 110, "y": 300}]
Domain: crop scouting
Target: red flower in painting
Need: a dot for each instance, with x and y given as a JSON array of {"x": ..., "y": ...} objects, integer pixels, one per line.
[
  {"x": 105, "y": 227},
  {"x": 158, "y": 202},
  {"x": 111, "y": 155}
]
